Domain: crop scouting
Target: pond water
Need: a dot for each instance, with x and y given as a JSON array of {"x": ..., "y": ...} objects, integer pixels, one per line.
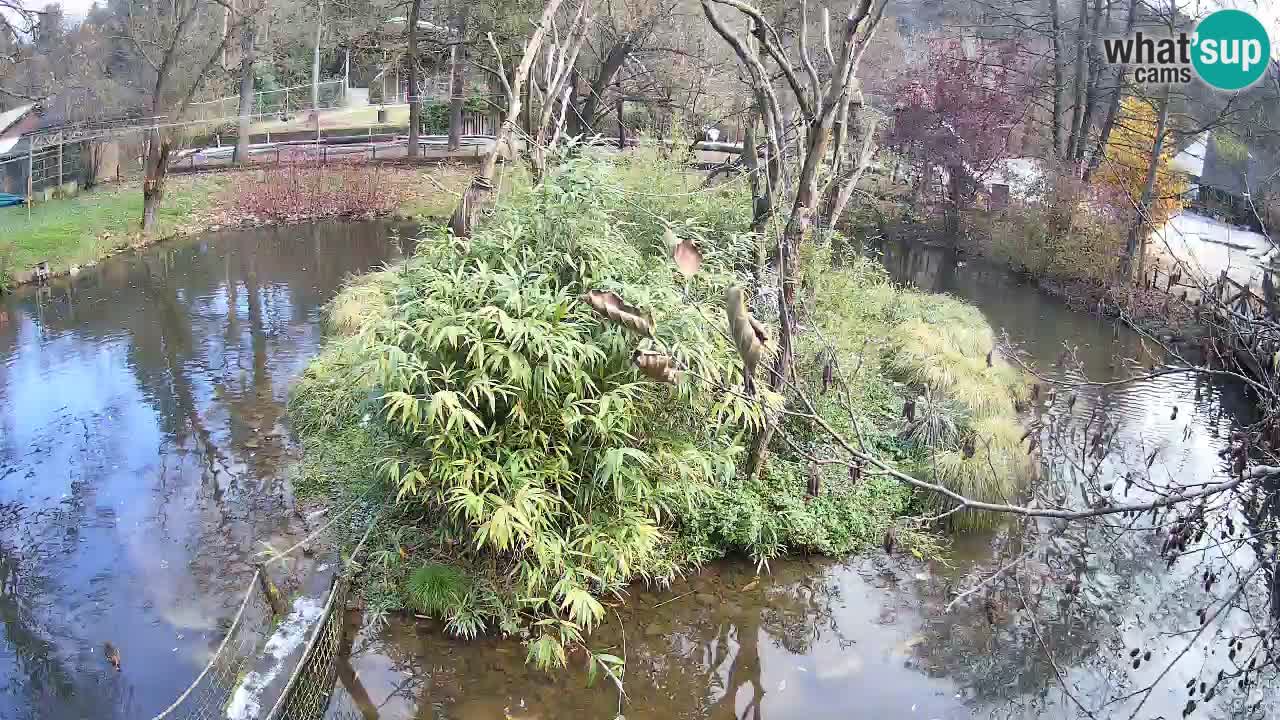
[
  {"x": 871, "y": 636},
  {"x": 143, "y": 456}
]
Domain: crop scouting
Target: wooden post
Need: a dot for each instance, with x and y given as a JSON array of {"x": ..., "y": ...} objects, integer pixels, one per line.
[
  {"x": 1269, "y": 293},
  {"x": 31, "y": 164},
  {"x": 59, "y": 168},
  {"x": 622, "y": 135}
]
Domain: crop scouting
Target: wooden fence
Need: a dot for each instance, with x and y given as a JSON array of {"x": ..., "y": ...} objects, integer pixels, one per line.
[{"x": 1243, "y": 322}]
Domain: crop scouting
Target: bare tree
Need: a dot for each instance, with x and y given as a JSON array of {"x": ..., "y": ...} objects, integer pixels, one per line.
[
  {"x": 624, "y": 30},
  {"x": 415, "y": 93},
  {"x": 315, "y": 62},
  {"x": 181, "y": 46},
  {"x": 821, "y": 99},
  {"x": 457, "y": 73},
  {"x": 248, "y": 56},
  {"x": 479, "y": 195},
  {"x": 551, "y": 90},
  {"x": 1113, "y": 102}
]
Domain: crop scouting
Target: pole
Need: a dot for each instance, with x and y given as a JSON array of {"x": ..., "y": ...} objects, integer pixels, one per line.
[
  {"x": 622, "y": 136},
  {"x": 59, "y": 168},
  {"x": 30, "y": 170},
  {"x": 315, "y": 61}
]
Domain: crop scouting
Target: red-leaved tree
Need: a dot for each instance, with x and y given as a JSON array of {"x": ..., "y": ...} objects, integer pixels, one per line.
[{"x": 957, "y": 114}]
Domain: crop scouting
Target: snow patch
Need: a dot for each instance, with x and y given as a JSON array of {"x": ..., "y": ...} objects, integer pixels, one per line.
[{"x": 245, "y": 702}]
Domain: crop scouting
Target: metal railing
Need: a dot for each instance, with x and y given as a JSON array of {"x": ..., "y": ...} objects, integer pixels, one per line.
[
  {"x": 283, "y": 101},
  {"x": 306, "y": 697}
]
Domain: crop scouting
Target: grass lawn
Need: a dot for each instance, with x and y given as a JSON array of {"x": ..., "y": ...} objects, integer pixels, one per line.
[
  {"x": 97, "y": 223},
  {"x": 397, "y": 115},
  {"x": 79, "y": 230}
]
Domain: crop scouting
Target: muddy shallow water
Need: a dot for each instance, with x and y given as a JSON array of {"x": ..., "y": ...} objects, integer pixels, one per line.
[
  {"x": 871, "y": 636},
  {"x": 143, "y": 456}
]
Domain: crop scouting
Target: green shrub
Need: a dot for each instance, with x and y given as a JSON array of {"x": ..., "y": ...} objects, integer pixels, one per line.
[
  {"x": 938, "y": 422},
  {"x": 529, "y": 470},
  {"x": 434, "y": 116},
  {"x": 437, "y": 589},
  {"x": 1065, "y": 230},
  {"x": 771, "y": 516},
  {"x": 935, "y": 346},
  {"x": 516, "y": 419}
]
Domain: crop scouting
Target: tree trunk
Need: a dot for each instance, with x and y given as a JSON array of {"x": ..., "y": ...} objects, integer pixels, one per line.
[
  {"x": 803, "y": 211},
  {"x": 247, "y": 57},
  {"x": 415, "y": 102},
  {"x": 1058, "y": 81},
  {"x": 1081, "y": 82},
  {"x": 155, "y": 170},
  {"x": 315, "y": 62},
  {"x": 1113, "y": 106},
  {"x": 956, "y": 182},
  {"x": 457, "y": 76},
  {"x": 573, "y": 119},
  {"x": 759, "y": 198},
  {"x": 1135, "y": 247},
  {"x": 847, "y": 169},
  {"x": 1095, "y": 74},
  {"x": 922, "y": 184},
  {"x": 618, "y": 54},
  {"x": 622, "y": 131}
]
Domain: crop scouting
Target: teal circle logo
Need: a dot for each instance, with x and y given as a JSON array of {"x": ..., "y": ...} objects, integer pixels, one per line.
[{"x": 1231, "y": 49}]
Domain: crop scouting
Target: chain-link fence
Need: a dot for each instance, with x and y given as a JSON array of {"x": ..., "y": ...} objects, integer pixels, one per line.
[
  {"x": 282, "y": 101},
  {"x": 213, "y": 690},
  {"x": 40, "y": 170},
  {"x": 222, "y": 689},
  {"x": 307, "y": 695}
]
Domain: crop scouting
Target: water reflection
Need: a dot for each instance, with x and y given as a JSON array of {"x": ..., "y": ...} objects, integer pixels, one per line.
[
  {"x": 141, "y": 456},
  {"x": 871, "y": 637},
  {"x": 812, "y": 640}
]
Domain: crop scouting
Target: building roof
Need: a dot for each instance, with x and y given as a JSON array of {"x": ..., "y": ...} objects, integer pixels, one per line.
[
  {"x": 1238, "y": 175},
  {"x": 9, "y": 117},
  {"x": 423, "y": 24},
  {"x": 1191, "y": 159}
]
